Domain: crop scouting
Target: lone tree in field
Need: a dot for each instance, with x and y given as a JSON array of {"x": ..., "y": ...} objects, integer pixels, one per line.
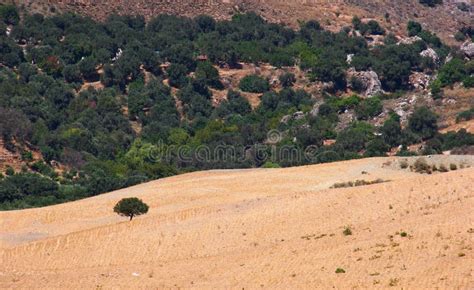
[{"x": 131, "y": 207}]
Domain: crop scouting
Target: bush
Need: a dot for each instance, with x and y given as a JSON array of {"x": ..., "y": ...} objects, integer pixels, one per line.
[
  {"x": 414, "y": 28},
  {"x": 177, "y": 74},
  {"x": 421, "y": 166},
  {"x": 465, "y": 115},
  {"x": 375, "y": 28},
  {"x": 254, "y": 84},
  {"x": 431, "y": 3},
  {"x": 287, "y": 79},
  {"x": 463, "y": 7},
  {"x": 357, "y": 85},
  {"x": 436, "y": 89},
  {"x": 468, "y": 82},
  {"x": 27, "y": 156},
  {"x": 403, "y": 164},
  {"x": 423, "y": 122},
  {"x": 269, "y": 164},
  {"x": 369, "y": 108},
  {"x": 208, "y": 74},
  {"x": 9, "y": 14},
  {"x": 10, "y": 171},
  {"x": 347, "y": 231},
  {"x": 459, "y": 36},
  {"x": 453, "y": 166},
  {"x": 131, "y": 207},
  {"x": 357, "y": 183},
  {"x": 340, "y": 271},
  {"x": 452, "y": 72},
  {"x": 72, "y": 74}
]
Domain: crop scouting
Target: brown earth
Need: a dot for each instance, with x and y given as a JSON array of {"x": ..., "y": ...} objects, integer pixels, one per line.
[
  {"x": 269, "y": 228},
  {"x": 445, "y": 19}
]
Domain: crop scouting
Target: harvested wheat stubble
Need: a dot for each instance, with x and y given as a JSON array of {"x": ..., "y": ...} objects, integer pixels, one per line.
[{"x": 278, "y": 228}]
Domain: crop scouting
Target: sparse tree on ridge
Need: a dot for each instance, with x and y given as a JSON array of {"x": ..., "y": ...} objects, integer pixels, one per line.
[{"x": 131, "y": 207}]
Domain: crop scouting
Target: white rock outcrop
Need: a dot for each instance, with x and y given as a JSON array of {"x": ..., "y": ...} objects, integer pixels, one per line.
[
  {"x": 430, "y": 53},
  {"x": 409, "y": 40},
  {"x": 420, "y": 81},
  {"x": 369, "y": 80},
  {"x": 468, "y": 49}
]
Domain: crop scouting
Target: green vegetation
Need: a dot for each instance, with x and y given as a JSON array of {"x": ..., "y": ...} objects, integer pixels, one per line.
[
  {"x": 131, "y": 207},
  {"x": 372, "y": 27},
  {"x": 9, "y": 14},
  {"x": 254, "y": 84},
  {"x": 465, "y": 115},
  {"x": 340, "y": 271},
  {"x": 369, "y": 108},
  {"x": 131, "y": 130},
  {"x": 287, "y": 79}
]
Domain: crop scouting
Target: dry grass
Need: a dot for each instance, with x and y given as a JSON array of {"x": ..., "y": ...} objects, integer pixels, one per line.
[{"x": 357, "y": 183}]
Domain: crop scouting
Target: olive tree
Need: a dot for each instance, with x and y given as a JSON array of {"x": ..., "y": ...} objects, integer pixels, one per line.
[{"x": 131, "y": 207}]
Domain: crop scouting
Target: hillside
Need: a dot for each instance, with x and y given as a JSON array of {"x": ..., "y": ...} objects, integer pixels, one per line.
[
  {"x": 445, "y": 19},
  {"x": 92, "y": 106},
  {"x": 270, "y": 228}
]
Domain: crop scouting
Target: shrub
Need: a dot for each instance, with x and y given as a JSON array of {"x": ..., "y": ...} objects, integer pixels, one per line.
[
  {"x": 347, "y": 231},
  {"x": 177, "y": 74},
  {"x": 287, "y": 79},
  {"x": 423, "y": 122},
  {"x": 270, "y": 164},
  {"x": 436, "y": 89},
  {"x": 357, "y": 85},
  {"x": 421, "y": 166},
  {"x": 340, "y": 271},
  {"x": 9, "y": 14},
  {"x": 357, "y": 183},
  {"x": 403, "y": 164},
  {"x": 369, "y": 108},
  {"x": 459, "y": 36},
  {"x": 465, "y": 115},
  {"x": 206, "y": 72},
  {"x": 27, "y": 156},
  {"x": 414, "y": 28},
  {"x": 453, "y": 166},
  {"x": 442, "y": 168},
  {"x": 131, "y": 207},
  {"x": 431, "y": 3},
  {"x": 72, "y": 74},
  {"x": 468, "y": 82},
  {"x": 403, "y": 234},
  {"x": 463, "y": 7},
  {"x": 254, "y": 84},
  {"x": 10, "y": 171},
  {"x": 452, "y": 72},
  {"x": 375, "y": 28}
]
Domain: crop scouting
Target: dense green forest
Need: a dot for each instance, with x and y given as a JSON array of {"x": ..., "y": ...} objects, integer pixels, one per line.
[{"x": 44, "y": 62}]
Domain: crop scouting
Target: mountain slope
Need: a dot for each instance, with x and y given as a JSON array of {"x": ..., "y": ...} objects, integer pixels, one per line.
[
  {"x": 255, "y": 228},
  {"x": 444, "y": 19}
]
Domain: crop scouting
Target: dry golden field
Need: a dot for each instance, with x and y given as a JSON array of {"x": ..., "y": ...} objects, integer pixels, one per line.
[{"x": 257, "y": 228}]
